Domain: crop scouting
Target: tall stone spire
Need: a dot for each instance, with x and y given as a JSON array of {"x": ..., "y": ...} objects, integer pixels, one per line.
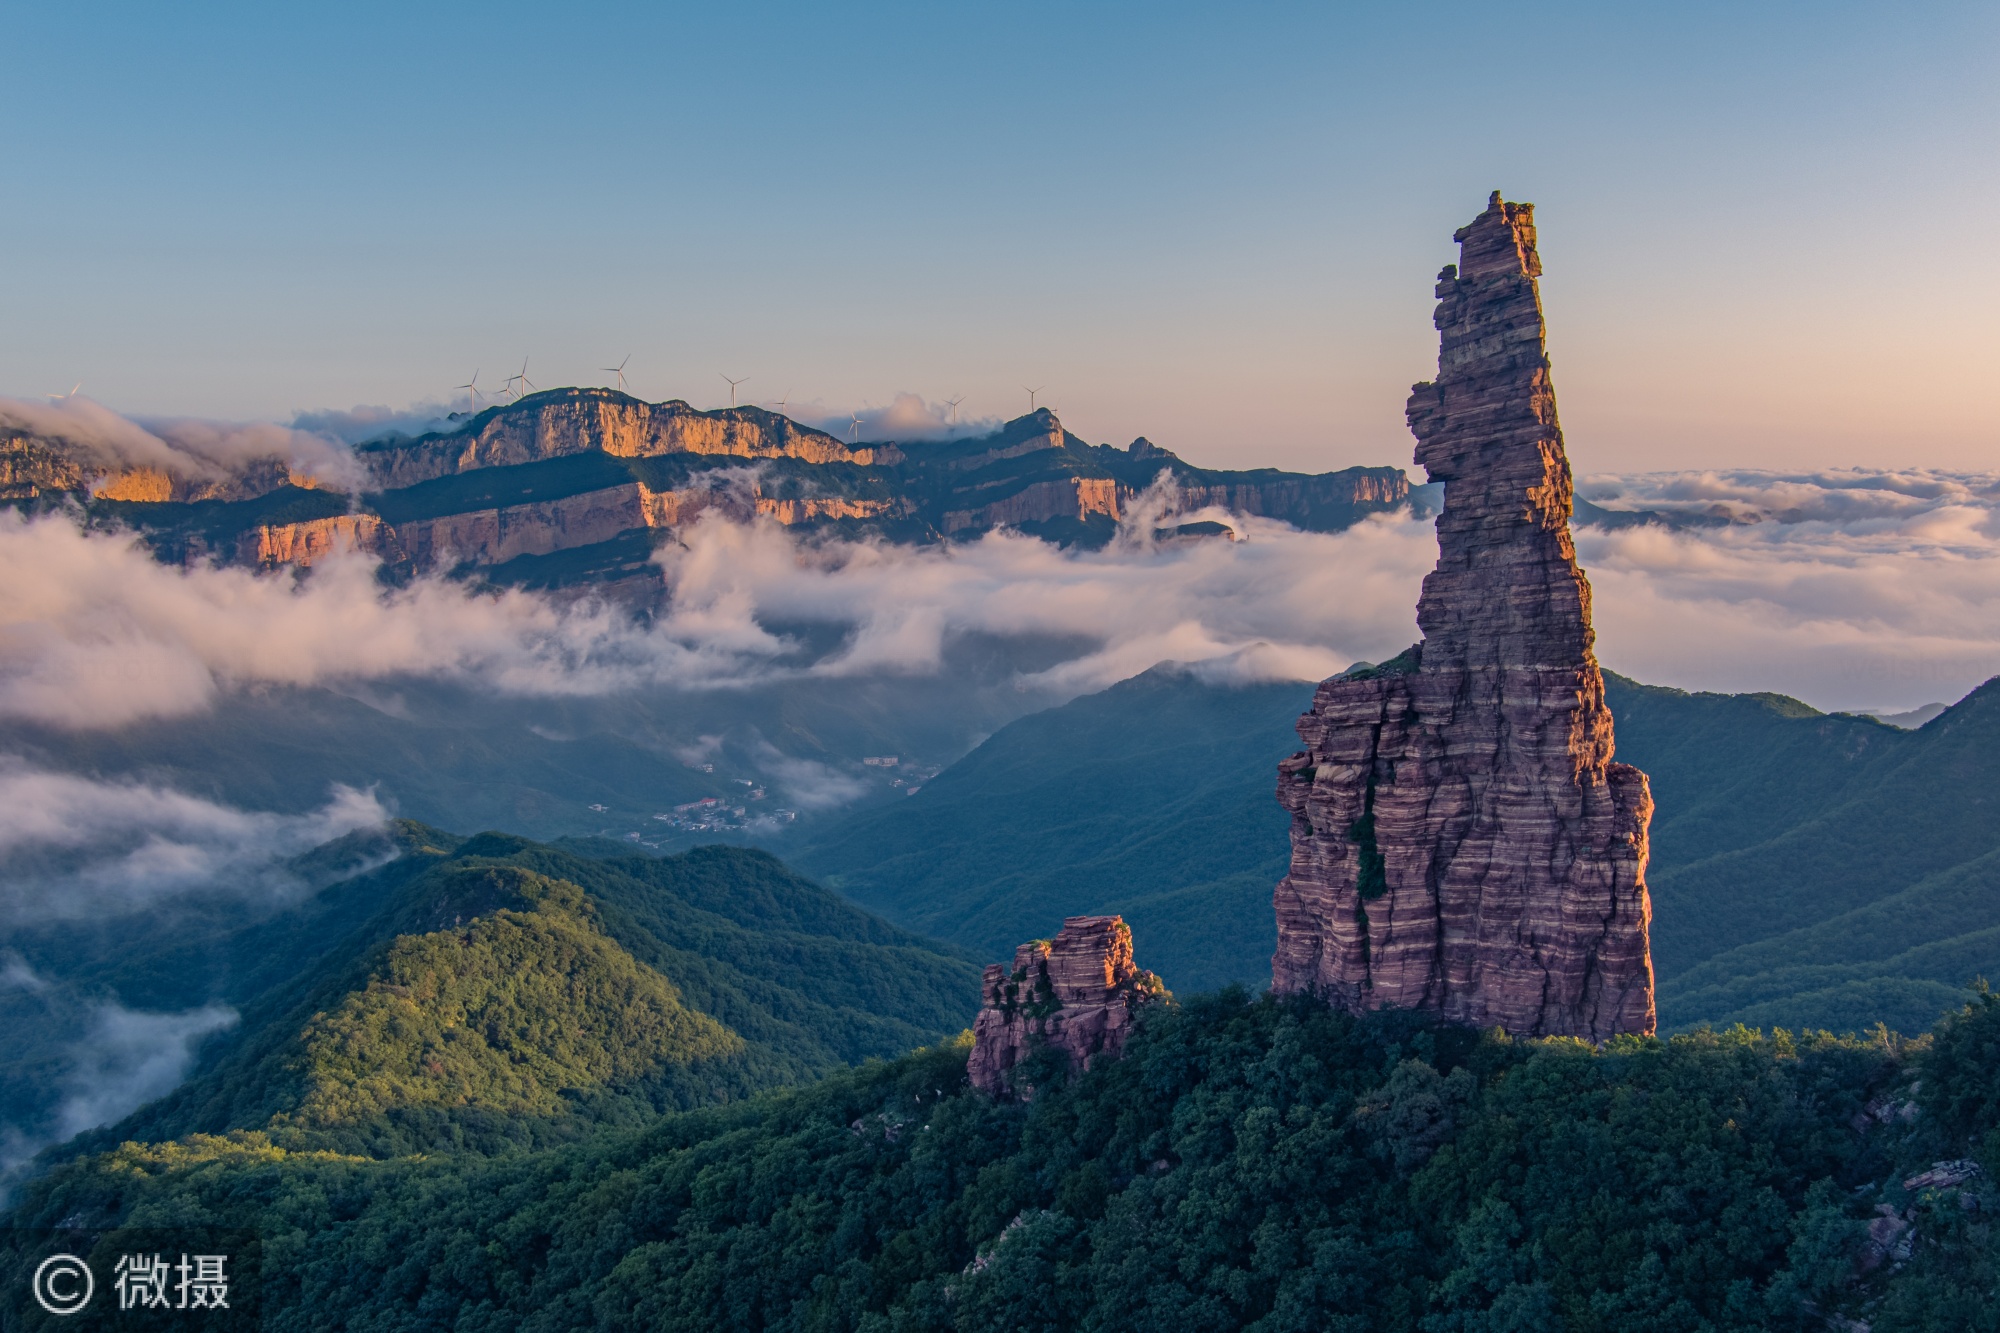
[{"x": 1461, "y": 840}]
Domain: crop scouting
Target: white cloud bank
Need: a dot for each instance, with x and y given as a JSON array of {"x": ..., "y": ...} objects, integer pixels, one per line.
[
  {"x": 184, "y": 447},
  {"x": 77, "y": 847},
  {"x": 1851, "y": 590},
  {"x": 117, "y": 1059},
  {"x": 129, "y": 1058},
  {"x": 94, "y": 633}
]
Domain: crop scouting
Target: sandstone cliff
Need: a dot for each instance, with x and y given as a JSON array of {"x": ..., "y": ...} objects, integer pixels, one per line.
[
  {"x": 1461, "y": 839},
  {"x": 306, "y": 543},
  {"x": 32, "y": 466},
  {"x": 573, "y": 468},
  {"x": 1076, "y": 995},
  {"x": 573, "y": 421},
  {"x": 493, "y": 536}
]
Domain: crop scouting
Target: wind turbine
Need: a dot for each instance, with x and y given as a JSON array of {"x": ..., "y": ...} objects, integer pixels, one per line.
[
  {"x": 786, "y": 399},
  {"x": 732, "y": 387},
  {"x": 526, "y": 383},
  {"x": 854, "y": 428},
  {"x": 952, "y": 403},
  {"x": 1031, "y": 396},
  {"x": 619, "y": 371},
  {"x": 473, "y": 385}
]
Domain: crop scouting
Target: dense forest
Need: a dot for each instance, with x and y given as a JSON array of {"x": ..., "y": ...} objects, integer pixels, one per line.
[
  {"x": 492, "y": 992},
  {"x": 1250, "y": 1163}
]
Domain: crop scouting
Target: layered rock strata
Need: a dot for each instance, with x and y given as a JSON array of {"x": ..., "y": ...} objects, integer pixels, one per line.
[
  {"x": 1076, "y": 994},
  {"x": 560, "y": 422},
  {"x": 573, "y": 468},
  {"x": 1461, "y": 839}
]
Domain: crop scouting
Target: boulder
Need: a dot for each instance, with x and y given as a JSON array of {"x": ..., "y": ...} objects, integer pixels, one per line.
[{"x": 1077, "y": 994}]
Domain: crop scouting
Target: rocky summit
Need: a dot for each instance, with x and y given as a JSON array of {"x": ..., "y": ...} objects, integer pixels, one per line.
[
  {"x": 1461, "y": 840},
  {"x": 1075, "y": 995}
]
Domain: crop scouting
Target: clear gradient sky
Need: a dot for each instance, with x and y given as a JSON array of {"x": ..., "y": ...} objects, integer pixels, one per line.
[{"x": 1768, "y": 229}]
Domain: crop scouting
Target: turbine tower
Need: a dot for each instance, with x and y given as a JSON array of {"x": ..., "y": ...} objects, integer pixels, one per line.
[
  {"x": 521, "y": 381},
  {"x": 732, "y": 387},
  {"x": 619, "y": 371},
  {"x": 472, "y": 385},
  {"x": 952, "y": 404},
  {"x": 854, "y": 428},
  {"x": 1031, "y": 396}
]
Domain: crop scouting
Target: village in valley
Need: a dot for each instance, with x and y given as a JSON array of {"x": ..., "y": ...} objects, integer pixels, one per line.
[{"x": 746, "y": 811}]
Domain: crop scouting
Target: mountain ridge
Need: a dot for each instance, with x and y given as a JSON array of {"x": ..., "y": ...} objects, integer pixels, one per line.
[{"x": 580, "y": 469}]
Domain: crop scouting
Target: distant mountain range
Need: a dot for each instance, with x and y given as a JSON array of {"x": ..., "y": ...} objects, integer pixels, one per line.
[{"x": 576, "y": 485}]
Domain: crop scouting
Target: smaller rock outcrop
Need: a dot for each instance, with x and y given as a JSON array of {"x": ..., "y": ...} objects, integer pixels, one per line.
[{"x": 1077, "y": 994}]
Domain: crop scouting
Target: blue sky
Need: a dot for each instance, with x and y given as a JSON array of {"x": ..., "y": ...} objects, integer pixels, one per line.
[{"x": 1767, "y": 228}]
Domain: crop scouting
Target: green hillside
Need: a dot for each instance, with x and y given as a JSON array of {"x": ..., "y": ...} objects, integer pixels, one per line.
[
  {"x": 1817, "y": 869},
  {"x": 1152, "y": 799},
  {"x": 1263, "y": 1165},
  {"x": 519, "y": 1009},
  {"x": 493, "y": 992}
]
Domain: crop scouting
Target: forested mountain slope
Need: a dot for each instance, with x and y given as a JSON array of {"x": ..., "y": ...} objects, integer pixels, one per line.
[
  {"x": 1814, "y": 869},
  {"x": 1151, "y": 800},
  {"x": 493, "y": 991},
  {"x": 1268, "y": 1165}
]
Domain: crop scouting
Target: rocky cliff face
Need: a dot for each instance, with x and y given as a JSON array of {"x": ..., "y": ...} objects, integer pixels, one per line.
[
  {"x": 572, "y": 468},
  {"x": 1076, "y": 994},
  {"x": 307, "y": 543},
  {"x": 1041, "y": 501},
  {"x": 32, "y": 466},
  {"x": 1461, "y": 839},
  {"x": 573, "y": 421}
]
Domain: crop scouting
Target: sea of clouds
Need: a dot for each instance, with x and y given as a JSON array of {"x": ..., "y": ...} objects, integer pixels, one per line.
[
  {"x": 181, "y": 446},
  {"x": 1851, "y": 589}
]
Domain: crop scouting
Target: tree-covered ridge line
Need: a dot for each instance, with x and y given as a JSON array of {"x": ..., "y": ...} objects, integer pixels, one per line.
[
  {"x": 1250, "y": 1163},
  {"x": 498, "y": 994}
]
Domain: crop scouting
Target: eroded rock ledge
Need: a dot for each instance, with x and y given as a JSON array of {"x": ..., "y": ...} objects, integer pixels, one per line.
[
  {"x": 1076, "y": 994},
  {"x": 1461, "y": 839}
]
